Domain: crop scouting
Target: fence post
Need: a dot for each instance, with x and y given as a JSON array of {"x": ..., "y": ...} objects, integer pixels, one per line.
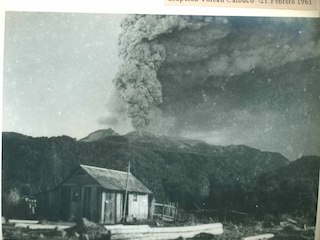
[
  {"x": 152, "y": 209},
  {"x": 162, "y": 211},
  {"x": 175, "y": 214},
  {"x": 317, "y": 231}
]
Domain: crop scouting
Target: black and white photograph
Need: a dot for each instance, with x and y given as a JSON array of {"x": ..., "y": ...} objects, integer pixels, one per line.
[{"x": 160, "y": 127}]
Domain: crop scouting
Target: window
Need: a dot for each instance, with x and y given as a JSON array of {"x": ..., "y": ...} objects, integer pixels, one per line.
[
  {"x": 135, "y": 197},
  {"x": 76, "y": 196}
]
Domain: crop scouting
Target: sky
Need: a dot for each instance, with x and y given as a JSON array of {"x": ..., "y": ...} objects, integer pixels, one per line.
[
  {"x": 58, "y": 71},
  {"x": 251, "y": 81}
]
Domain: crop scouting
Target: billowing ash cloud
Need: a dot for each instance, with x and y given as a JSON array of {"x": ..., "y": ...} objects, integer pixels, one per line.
[
  {"x": 229, "y": 80},
  {"x": 142, "y": 56}
]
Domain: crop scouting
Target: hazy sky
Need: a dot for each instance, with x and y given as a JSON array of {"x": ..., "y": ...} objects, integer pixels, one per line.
[
  {"x": 58, "y": 71},
  {"x": 249, "y": 81},
  {"x": 226, "y": 80},
  {"x": 252, "y": 81}
]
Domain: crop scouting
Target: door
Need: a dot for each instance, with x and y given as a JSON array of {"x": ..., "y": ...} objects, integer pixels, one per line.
[
  {"x": 91, "y": 203},
  {"x": 109, "y": 207},
  {"x": 65, "y": 198},
  {"x": 87, "y": 203}
]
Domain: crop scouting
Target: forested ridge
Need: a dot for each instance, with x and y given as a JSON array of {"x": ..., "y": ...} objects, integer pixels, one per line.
[{"x": 189, "y": 172}]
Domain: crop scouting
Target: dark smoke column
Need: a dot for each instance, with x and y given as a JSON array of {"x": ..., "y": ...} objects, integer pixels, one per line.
[{"x": 142, "y": 56}]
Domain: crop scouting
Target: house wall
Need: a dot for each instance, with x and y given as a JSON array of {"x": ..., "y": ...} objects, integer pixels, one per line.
[
  {"x": 80, "y": 196},
  {"x": 119, "y": 206},
  {"x": 78, "y": 201},
  {"x": 111, "y": 207},
  {"x": 138, "y": 206}
]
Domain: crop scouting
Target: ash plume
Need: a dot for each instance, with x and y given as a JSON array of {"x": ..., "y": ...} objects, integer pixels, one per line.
[
  {"x": 142, "y": 56},
  {"x": 224, "y": 78}
]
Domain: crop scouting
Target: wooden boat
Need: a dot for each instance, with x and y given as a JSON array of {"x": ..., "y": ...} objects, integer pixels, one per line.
[
  {"x": 260, "y": 237},
  {"x": 132, "y": 232},
  {"x": 145, "y": 232},
  {"x": 36, "y": 225}
]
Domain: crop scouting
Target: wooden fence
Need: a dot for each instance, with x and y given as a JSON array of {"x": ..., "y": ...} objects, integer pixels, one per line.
[
  {"x": 166, "y": 212},
  {"x": 171, "y": 213}
]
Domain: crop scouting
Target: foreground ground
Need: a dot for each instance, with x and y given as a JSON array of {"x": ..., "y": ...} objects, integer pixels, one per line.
[{"x": 288, "y": 230}]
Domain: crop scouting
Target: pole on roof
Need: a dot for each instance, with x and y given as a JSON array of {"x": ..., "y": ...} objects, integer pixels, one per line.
[
  {"x": 317, "y": 233},
  {"x": 126, "y": 195}
]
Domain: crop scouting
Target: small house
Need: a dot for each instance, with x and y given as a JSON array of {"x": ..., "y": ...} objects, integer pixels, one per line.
[{"x": 98, "y": 194}]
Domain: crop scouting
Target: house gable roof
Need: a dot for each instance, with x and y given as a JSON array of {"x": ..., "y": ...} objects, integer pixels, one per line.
[{"x": 115, "y": 180}]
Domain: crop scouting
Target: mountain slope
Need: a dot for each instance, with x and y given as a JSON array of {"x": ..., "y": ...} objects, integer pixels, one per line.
[
  {"x": 99, "y": 135},
  {"x": 190, "y": 174},
  {"x": 292, "y": 188}
]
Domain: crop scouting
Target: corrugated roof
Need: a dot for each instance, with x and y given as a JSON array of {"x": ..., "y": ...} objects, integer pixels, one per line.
[{"x": 115, "y": 180}]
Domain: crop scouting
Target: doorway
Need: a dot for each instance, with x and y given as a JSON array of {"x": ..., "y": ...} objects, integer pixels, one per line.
[{"x": 108, "y": 207}]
